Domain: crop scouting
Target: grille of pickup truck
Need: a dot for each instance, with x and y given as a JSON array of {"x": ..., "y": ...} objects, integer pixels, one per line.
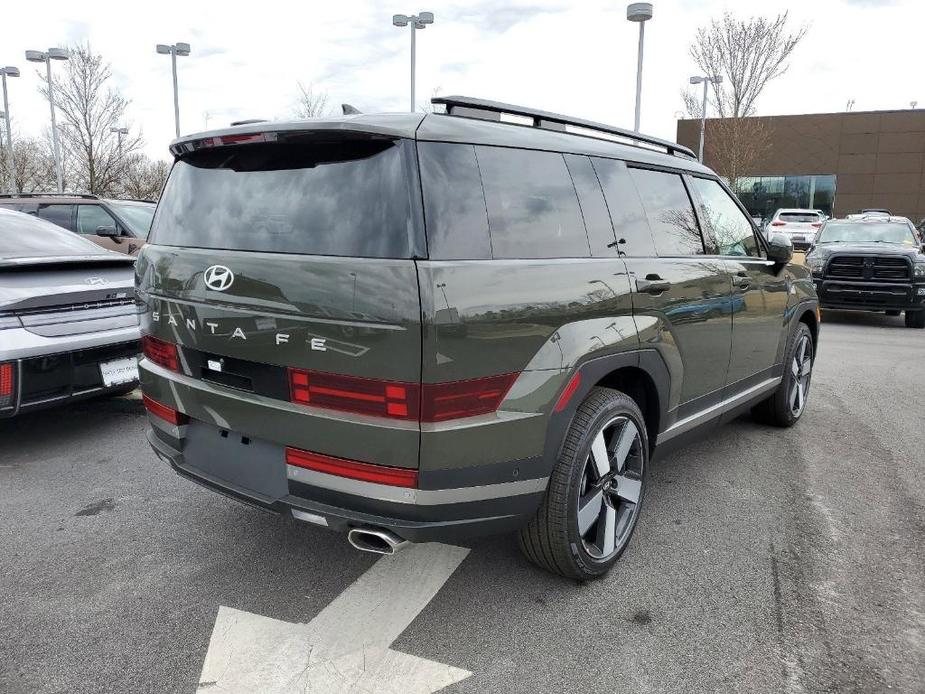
[{"x": 869, "y": 267}]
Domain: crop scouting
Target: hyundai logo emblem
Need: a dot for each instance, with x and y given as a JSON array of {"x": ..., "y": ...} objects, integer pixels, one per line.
[
  {"x": 219, "y": 278},
  {"x": 95, "y": 281}
]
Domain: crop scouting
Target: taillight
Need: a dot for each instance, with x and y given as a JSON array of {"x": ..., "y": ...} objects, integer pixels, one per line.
[
  {"x": 442, "y": 401},
  {"x": 817, "y": 224},
  {"x": 380, "y": 474},
  {"x": 432, "y": 402},
  {"x": 159, "y": 409},
  {"x": 160, "y": 352},
  {"x": 7, "y": 383},
  {"x": 778, "y": 224},
  {"x": 351, "y": 394}
]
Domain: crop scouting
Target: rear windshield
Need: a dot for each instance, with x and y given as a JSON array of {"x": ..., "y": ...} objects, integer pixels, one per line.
[
  {"x": 798, "y": 217},
  {"x": 25, "y": 236},
  {"x": 345, "y": 198}
]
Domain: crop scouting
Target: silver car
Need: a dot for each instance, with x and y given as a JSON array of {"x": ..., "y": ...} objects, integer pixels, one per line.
[{"x": 68, "y": 323}]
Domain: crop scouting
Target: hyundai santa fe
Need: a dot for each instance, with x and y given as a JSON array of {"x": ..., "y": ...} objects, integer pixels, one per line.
[{"x": 418, "y": 327}]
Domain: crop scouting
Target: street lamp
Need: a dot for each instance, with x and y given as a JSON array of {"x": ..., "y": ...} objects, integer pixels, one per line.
[
  {"x": 119, "y": 133},
  {"x": 640, "y": 12},
  {"x": 706, "y": 80},
  {"x": 9, "y": 71},
  {"x": 173, "y": 51},
  {"x": 46, "y": 57},
  {"x": 415, "y": 21}
]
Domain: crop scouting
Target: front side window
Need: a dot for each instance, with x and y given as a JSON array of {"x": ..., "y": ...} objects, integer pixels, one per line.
[
  {"x": 669, "y": 211},
  {"x": 91, "y": 217},
  {"x": 728, "y": 225},
  {"x": 532, "y": 206},
  {"x": 57, "y": 214}
]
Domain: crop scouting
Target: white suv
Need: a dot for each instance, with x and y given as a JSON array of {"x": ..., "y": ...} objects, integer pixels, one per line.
[{"x": 800, "y": 226}]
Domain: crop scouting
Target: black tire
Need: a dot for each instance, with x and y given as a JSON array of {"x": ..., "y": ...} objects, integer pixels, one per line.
[
  {"x": 552, "y": 539},
  {"x": 915, "y": 319},
  {"x": 893, "y": 312},
  {"x": 779, "y": 410}
]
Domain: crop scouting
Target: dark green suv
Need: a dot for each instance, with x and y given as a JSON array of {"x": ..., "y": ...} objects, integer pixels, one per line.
[{"x": 425, "y": 327}]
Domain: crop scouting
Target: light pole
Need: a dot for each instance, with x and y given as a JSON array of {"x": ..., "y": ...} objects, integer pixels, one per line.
[
  {"x": 46, "y": 57},
  {"x": 415, "y": 21},
  {"x": 119, "y": 133},
  {"x": 640, "y": 12},
  {"x": 706, "y": 80},
  {"x": 173, "y": 51},
  {"x": 9, "y": 71}
]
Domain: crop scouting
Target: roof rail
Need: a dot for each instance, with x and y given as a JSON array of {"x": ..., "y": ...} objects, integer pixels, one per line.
[
  {"x": 491, "y": 110},
  {"x": 87, "y": 196}
]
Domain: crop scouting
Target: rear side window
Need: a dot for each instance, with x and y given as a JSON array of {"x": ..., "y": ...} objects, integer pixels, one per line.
[
  {"x": 344, "y": 198},
  {"x": 593, "y": 207},
  {"x": 669, "y": 211},
  {"x": 454, "y": 204},
  {"x": 57, "y": 214},
  {"x": 532, "y": 206},
  {"x": 630, "y": 225},
  {"x": 731, "y": 229}
]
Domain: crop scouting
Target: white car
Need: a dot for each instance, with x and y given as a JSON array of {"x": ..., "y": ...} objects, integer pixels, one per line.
[{"x": 800, "y": 226}]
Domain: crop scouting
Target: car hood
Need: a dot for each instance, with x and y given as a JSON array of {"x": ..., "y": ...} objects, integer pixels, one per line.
[{"x": 869, "y": 248}]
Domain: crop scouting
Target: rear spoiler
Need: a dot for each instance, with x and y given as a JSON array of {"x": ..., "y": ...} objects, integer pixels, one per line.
[{"x": 67, "y": 260}]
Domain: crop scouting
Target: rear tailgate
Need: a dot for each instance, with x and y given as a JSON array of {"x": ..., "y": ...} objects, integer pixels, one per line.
[{"x": 292, "y": 255}]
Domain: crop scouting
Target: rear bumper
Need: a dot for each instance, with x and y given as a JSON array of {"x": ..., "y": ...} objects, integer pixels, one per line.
[
  {"x": 870, "y": 296},
  {"x": 67, "y": 371},
  {"x": 417, "y": 515}
]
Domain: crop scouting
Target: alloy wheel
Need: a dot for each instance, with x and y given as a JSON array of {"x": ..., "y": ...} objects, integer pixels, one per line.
[
  {"x": 611, "y": 488},
  {"x": 801, "y": 369}
]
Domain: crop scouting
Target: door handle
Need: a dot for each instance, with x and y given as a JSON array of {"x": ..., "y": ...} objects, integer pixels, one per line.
[
  {"x": 652, "y": 284},
  {"x": 741, "y": 280}
]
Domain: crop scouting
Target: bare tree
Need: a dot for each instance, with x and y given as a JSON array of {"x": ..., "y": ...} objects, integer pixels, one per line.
[
  {"x": 748, "y": 53},
  {"x": 144, "y": 177},
  {"x": 735, "y": 147},
  {"x": 430, "y": 107},
  {"x": 89, "y": 107},
  {"x": 311, "y": 104},
  {"x": 34, "y": 167}
]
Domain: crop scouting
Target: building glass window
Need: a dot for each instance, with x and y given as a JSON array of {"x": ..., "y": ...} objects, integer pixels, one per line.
[{"x": 764, "y": 195}]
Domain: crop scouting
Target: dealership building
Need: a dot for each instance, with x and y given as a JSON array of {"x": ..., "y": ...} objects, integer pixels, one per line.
[{"x": 835, "y": 162}]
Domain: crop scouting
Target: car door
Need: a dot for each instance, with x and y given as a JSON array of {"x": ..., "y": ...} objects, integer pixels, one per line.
[
  {"x": 759, "y": 294},
  {"x": 91, "y": 217},
  {"x": 681, "y": 296}
]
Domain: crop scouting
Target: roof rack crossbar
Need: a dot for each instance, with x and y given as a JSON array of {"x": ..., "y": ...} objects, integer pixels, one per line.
[
  {"x": 87, "y": 196},
  {"x": 471, "y": 107}
]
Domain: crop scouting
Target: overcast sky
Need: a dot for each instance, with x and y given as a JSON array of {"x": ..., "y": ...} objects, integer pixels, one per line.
[{"x": 574, "y": 57}]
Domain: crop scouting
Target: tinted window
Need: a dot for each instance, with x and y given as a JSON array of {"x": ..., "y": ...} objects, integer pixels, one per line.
[
  {"x": 593, "y": 207},
  {"x": 89, "y": 217},
  {"x": 454, "y": 204},
  {"x": 799, "y": 217},
  {"x": 137, "y": 216},
  {"x": 57, "y": 214},
  {"x": 729, "y": 226},
  {"x": 347, "y": 198},
  {"x": 669, "y": 211},
  {"x": 629, "y": 218},
  {"x": 532, "y": 207},
  {"x": 24, "y": 236}
]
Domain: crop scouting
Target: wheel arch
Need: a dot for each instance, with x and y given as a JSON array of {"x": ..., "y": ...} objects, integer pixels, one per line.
[
  {"x": 635, "y": 382},
  {"x": 810, "y": 317}
]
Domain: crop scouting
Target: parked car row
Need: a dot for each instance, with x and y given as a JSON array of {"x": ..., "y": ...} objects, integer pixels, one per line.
[{"x": 117, "y": 225}]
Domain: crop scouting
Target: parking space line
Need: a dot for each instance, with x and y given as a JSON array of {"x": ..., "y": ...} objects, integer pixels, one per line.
[{"x": 346, "y": 647}]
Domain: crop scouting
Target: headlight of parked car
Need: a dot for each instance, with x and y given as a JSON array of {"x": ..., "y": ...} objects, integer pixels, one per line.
[
  {"x": 919, "y": 271},
  {"x": 9, "y": 322},
  {"x": 815, "y": 263}
]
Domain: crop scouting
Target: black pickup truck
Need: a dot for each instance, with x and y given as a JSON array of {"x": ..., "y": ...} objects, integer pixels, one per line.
[{"x": 870, "y": 264}]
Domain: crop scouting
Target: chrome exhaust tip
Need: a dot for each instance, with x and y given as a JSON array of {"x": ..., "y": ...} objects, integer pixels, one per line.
[{"x": 376, "y": 540}]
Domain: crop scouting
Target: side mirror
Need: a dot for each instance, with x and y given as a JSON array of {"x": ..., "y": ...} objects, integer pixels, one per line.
[
  {"x": 780, "y": 249},
  {"x": 109, "y": 231}
]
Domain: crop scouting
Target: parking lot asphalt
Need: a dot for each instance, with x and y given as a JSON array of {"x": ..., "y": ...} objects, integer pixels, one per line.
[{"x": 766, "y": 560}]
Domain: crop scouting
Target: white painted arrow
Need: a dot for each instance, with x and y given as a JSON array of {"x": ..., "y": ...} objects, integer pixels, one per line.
[{"x": 346, "y": 647}]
